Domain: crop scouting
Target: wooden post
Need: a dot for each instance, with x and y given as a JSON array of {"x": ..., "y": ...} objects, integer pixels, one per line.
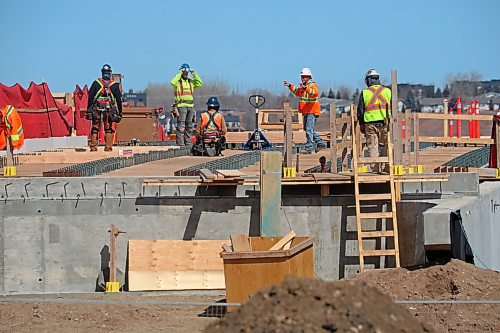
[
  {"x": 287, "y": 116},
  {"x": 497, "y": 140},
  {"x": 407, "y": 140},
  {"x": 10, "y": 153},
  {"x": 333, "y": 137},
  {"x": 396, "y": 127},
  {"x": 445, "y": 121},
  {"x": 345, "y": 133},
  {"x": 113, "y": 235},
  {"x": 270, "y": 193},
  {"x": 416, "y": 133}
]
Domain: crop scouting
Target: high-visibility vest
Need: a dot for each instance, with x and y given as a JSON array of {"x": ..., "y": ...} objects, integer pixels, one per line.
[
  {"x": 11, "y": 128},
  {"x": 184, "y": 88},
  {"x": 211, "y": 122},
  {"x": 375, "y": 99},
  {"x": 308, "y": 98}
]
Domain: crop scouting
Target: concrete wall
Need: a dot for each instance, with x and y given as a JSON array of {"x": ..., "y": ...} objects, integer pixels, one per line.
[
  {"x": 54, "y": 232},
  {"x": 480, "y": 219}
]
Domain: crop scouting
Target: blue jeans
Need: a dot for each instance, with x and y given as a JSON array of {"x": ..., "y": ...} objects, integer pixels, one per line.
[{"x": 311, "y": 134}]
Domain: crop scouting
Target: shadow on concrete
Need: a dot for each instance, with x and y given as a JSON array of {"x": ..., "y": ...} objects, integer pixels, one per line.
[{"x": 213, "y": 199}]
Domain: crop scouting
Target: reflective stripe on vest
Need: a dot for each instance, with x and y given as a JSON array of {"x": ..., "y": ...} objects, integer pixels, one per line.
[
  {"x": 207, "y": 120},
  {"x": 184, "y": 92},
  {"x": 100, "y": 97},
  {"x": 376, "y": 99},
  {"x": 7, "y": 114}
]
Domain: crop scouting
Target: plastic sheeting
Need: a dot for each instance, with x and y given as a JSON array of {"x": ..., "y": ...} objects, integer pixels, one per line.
[{"x": 42, "y": 116}]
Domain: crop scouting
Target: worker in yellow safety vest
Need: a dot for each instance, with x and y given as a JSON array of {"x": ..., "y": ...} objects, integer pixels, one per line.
[
  {"x": 11, "y": 128},
  {"x": 374, "y": 107},
  {"x": 184, "y": 87}
]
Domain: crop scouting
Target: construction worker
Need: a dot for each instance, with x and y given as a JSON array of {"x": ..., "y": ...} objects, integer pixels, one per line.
[
  {"x": 373, "y": 108},
  {"x": 211, "y": 130},
  {"x": 309, "y": 106},
  {"x": 11, "y": 128},
  {"x": 104, "y": 104},
  {"x": 184, "y": 87}
]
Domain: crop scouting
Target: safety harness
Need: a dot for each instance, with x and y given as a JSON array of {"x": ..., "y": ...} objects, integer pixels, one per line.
[
  {"x": 211, "y": 124},
  {"x": 104, "y": 97}
]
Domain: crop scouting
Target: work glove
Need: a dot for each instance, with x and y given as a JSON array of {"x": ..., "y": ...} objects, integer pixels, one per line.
[
  {"x": 191, "y": 71},
  {"x": 88, "y": 115},
  {"x": 286, "y": 84}
]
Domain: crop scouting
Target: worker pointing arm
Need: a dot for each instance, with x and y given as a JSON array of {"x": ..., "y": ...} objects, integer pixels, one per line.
[{"x": 309, "y": 106}]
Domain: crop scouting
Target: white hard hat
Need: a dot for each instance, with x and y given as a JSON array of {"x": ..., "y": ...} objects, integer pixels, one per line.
[
  {"x": 306, "y": 72},
  {"x": 372, "y": 72}
]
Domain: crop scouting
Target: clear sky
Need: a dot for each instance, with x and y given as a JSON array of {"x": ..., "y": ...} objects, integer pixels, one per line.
[{"x": 246, "y": 43}]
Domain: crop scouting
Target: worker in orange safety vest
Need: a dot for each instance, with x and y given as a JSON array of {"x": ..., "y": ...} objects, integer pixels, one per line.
[
  {"x": 309, "y": 106},
  {"x": 11, "y": 128}
]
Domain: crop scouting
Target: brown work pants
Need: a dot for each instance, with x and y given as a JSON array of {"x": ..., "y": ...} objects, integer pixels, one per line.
[
  {"x": 376, "y": 142},
  {"x": 108, "y": 132}
]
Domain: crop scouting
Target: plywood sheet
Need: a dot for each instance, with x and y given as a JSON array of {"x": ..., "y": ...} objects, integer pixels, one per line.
[
  {"x": 175, "y": 264},
  {"x": 175, "y": 280}
]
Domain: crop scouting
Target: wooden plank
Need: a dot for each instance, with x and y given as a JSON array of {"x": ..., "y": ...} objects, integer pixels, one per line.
[
  {"x": 288, "y": 237},
  {"x": 381, "y": 159},
  {"x": 374, "y": 178},
  {"x": 377, "y": 234},
  {"x": 176, "y": 280},
  {"x": 207, "y": 174},
  {"x": 462, "y": 140},
  {"x": 227, "y": 248},
  {"x": 374, "y": 196},
  {"x": 406, "y": 140},
  {"x": 333, "y": 136},
  {"x": 378, "y": 253},
  {"x": 240, "y": 243},
  {"x": 375, "y": 215},
  {"x": 288, "y": 134},
  {"x": 230, "y": 173},
  {"x": 454, "y": 116},
  {"x": 270, "y": 192},
  {"x": 170, "y": 255},
  {"x": 325, "y": 190}
]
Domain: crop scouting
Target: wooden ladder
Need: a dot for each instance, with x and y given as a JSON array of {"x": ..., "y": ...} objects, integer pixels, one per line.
[{"x": 389, "y": 198}]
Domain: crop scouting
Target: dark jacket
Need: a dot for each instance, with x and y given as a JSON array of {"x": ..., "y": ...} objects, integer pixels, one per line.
[{"x": 115, "y": 90}]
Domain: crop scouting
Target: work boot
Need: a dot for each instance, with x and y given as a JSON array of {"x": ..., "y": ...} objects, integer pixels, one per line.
[
  {"x": 108, "y": 141},
  {"x": 93, "y": 142}
]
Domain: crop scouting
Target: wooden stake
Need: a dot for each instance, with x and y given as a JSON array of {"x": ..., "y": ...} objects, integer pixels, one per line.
[
  {"x": 113, "y": 235},
  {"x": 333, "y": 137},
  {"x": 288, "y": 134},
  {"x": 445, "y": 121},
  {"x": 283, "y": 241},
  {"x": 396, "y": 128},
  {"x": 416, "y": 134}
]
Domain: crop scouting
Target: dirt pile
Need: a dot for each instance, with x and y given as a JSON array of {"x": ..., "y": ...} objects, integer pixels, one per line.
[
  {"x": 455, "y": 280},
  {"x": 304, "y": 305}
]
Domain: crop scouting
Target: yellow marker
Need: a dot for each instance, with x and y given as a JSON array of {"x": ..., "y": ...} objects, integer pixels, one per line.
[
  {"x": 112, "y": 287},
  {"x": 289, "y": 172},
  {"x": 498, "y": 173},
  {"x": 9, "y": 171},
  {"x": 398, "y": 170}
]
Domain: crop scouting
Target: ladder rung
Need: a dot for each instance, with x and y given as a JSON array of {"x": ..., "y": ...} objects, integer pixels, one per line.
[
  {"x": 377, "y": 234},
  {"x": 378, "y": 253},
  {"x": 374, "y": 196},
  {"x": 376, "y": 215},
  {"x": 374, "y": 178},
  {"x": 383, "y": 159}
]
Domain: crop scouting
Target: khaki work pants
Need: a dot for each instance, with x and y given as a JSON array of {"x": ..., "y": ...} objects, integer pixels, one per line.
[
  {"x": 108, "y": 132},
  {"x": 376, "y": 142}
]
